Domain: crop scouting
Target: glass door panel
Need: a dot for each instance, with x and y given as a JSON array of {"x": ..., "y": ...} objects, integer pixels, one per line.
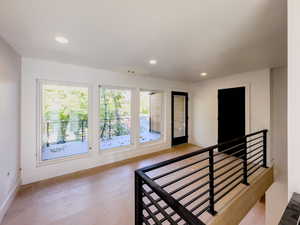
[{"x": 179, "y": 117}]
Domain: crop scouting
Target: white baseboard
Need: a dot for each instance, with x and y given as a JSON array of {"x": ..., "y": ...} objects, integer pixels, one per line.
[{"x": 7, "y": 202}]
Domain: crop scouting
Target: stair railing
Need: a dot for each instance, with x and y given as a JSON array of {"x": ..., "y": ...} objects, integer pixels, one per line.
[{"x": 224, "y": 167}]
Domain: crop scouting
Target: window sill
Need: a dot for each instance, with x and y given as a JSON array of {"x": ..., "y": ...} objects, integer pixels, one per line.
[
  {"x": 104, "y": 152},
  {"x": 42, "y": 163}
]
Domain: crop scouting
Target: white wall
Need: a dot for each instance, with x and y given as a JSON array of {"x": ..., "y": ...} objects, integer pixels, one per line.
[
  {"x": 268, "y": 109},
  {"x": 32, "y": 70},
  {"x": 205, "y": 104},
  {"x": 293, "y": 96},
  {"x": 277, "y": 195},
  {"x": 10, "y": 71}
]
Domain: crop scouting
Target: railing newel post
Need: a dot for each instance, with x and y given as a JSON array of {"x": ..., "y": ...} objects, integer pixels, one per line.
[
  {"x": 138, "y": 200},
  {"x": 211, "y": 209},
  {"x": 265, "y": 148},
  {"x": 245, "y": 165}
]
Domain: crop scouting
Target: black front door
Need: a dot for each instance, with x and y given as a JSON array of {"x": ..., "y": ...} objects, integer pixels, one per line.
[
  {"x": 179, "y": 118},
  {"x": 231, "y": 119}
]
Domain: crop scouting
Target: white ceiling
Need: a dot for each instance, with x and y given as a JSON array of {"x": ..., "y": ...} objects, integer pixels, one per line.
[{"x": 186, "y": 37}]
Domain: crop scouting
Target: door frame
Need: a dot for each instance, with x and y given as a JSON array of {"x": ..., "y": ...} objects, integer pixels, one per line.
[{"x": 183, "y": 139}]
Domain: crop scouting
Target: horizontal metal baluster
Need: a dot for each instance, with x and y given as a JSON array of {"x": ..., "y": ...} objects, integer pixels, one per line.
[
  {"x": 163, "y": 212},
  {"x": 227, "y": 185},
  {"x": 202, "y": 211},
  {"x": 230, "y": 156},
  {"x": 178, "y": 169},
  {"x": 226, "y": 164},
  {"x": 192, "y": 191},
  {"x": 241, "y": 144},
  {"x": 231, "y": 168},
  {"x": 255, "y": 159},
  {"x": 187, "y": 194},
  {"x": 188, "y": 184},
  {"x": 253, "y": 150},
  {"x": 260, "y": 152},
  {"x": 228, "y": 177},
  {"x": 174, "y": 160},
  {"x": 183, "y": 177},
  {"x": 164, "y": 208},
  {"x": 151, "y": 214},
  {"x": 228, "y": 149},
  {"x": 199, "y": 204},
  {"x": 259, "y": 167},
  {"x": 169, "y": 200},
  {"x": 250, "y": 146},
  {"x": 196, "y": 198},
  {"x": 185, "y": 205},
  {"x": 223, "y": 195},
  {"x": 255, "y": 164},
  {"x": 248, "y": 141},
  {"x": 146, "y": 221}
]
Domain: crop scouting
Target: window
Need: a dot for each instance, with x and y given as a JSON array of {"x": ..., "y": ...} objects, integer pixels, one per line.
[
  {"x": 115, "y": 117},
  {"x": 64, "y": 121},
  {"x": 150, "y": 116}
]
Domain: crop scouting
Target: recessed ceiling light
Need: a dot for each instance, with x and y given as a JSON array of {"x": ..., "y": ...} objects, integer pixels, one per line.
[
  {"x": 153, "y": 62},
  {"x": 203, "y": 74},
  {"x": 61, "y": 40}
]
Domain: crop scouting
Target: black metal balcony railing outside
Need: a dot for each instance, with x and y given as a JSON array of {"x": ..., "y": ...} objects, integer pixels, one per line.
[
  {"x": 114, "y": 127},
  {"x": 59, "y": 132},
  {"x": 157, "y": 203}
]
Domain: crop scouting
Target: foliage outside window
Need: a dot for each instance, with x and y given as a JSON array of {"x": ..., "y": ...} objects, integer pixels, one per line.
[
  {"x": 115, "y": 117},
  {"x": 65, "y": 113},
  {"x": 64, "y": 121}
]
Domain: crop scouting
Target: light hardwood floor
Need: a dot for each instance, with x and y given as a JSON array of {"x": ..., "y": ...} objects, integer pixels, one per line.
[{"x": 101, "y": 196}]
